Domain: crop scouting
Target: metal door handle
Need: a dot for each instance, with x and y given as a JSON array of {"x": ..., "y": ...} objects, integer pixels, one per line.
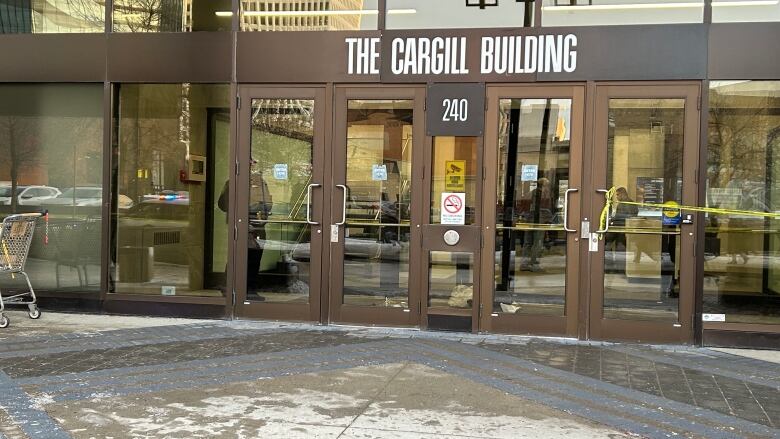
[
  {"x": 566, "y": 210},
  {"x": 606, "y": 223},
  {"x": 343, "y": 206},
  {"x": 308, "y": 203}
]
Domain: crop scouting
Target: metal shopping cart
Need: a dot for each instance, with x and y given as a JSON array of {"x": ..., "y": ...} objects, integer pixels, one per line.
[{"x": 16, "y": 235}]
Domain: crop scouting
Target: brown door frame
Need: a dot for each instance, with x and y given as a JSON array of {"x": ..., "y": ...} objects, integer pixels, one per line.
[
  {"x": 433, "y": 240},
  {"x": 525, "y": 323},
  {"x": 385, "y": 316},
  {"x": 635, "y": 330},
  {"x": 268, "y": 310}
]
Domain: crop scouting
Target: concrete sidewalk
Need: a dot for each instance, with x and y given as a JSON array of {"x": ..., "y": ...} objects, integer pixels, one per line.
[{"x": 69, "y": 375}]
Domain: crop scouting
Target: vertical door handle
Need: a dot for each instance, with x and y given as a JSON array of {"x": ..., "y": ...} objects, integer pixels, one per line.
[
  {"x": 566, "y": 210},
  {"x": 343, "y": 205},
  {"x": 606, "y": 223},
  {"x": 308, "y": 203}
]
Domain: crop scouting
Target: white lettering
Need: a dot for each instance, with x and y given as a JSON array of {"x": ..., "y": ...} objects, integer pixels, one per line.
[
  {"x": 570, "y": 60},
  {"x": 375, "y": 48},
  {"x": 529, "y": 64},
  {"x": 351, "y": 55},
  {"x": 410, "y": 63},
  {"x": 424, "y": 58},
  {"x": 396, "y": 65},
  {"x": 486, "y": 58},
  {"x": 438, "y": 58}
]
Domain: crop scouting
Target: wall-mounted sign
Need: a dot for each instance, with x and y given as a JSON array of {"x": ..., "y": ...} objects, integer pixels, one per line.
[
  {"x": 455, "y": 109},
  {"x": 504, "y": 55},
  {"x": 455, "y": 175}
]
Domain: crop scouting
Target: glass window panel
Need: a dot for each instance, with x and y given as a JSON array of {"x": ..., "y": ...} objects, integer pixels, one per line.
[
  {"x": 379, "y": 179},
  {"x": 533, "y": 175},
  {"x": 724, "y": 11},
  {"x": 742, "y": 252},
  {"x": 279, "y": 247},
  {"x": 642, "y": 247},
  {"x": 172, "y": 15},
  {"x": 454, "y": 170},
  {"x": 442, "y": 14},
  {"x": 52, "y": 16},
  {"x": 451, "y": 279},
  {"x": 308, "y": 15},
  {"x": 171, "y": 225},
  {"x": 51, "y": 144},
  {"x": 613, "y": 12}
]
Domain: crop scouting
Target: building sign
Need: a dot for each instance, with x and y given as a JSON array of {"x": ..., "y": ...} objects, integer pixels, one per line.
[
  {"x": 455, "y": 109},
  {"x": 432, "y": 56},
  {"x": 453, "y": 208}
]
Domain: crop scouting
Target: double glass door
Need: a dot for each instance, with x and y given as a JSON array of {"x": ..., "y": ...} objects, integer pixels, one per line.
[{"x": 557, "y": 258}]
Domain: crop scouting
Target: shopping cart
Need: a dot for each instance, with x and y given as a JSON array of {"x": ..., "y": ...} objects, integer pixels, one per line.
[{"x": 16, "y": 235}]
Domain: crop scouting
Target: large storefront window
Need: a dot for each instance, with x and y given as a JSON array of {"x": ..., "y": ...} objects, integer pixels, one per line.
[
  {"x": 170, "y": 220},
  {"x": 745, "y": 10},
  {"x": 51, "y": 154},
  {"x": 171, "y": 15},
  {"x": 51, "y": 16},
  {"x": 742, "y": 251},
  {"x": 442, "y": 14},
  {"x": 308, "y": 15},
  {"x": 612, "y": 12}
]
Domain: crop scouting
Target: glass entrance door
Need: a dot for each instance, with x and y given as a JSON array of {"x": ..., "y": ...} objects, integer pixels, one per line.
[
  {"x": 375, "y": 211},
  {"x": 279, "y": 231},
  {"x": 645, "y": 153},
  {"x": 532, "y": 209}
]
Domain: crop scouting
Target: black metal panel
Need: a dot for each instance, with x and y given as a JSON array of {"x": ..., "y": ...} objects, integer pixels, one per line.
[
  {"x": 170, "y": 57},
  {"x": 296, "y": 57},
  {"x": 655, "y": 52},
  {"x": 53, "y": 58},
  {"x": 744, "y": 51},
  {"x": 740, "y": 339}
]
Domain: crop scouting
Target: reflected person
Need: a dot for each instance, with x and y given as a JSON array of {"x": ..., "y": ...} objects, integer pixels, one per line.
[
  {"x": 539, "y": 211},
  {"x": 260, "y": 204}
]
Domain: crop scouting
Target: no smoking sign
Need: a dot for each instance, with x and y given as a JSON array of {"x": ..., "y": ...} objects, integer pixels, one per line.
[{"x": 453, "y": 209}]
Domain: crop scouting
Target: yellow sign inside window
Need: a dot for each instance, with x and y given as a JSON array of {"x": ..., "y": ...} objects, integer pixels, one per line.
[{"x": 455, "y": 176}]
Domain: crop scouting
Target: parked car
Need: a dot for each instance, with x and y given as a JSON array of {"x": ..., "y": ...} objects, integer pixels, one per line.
[
  {"x": 86, "y": 196},
  {"x": 28, "y": 195}
]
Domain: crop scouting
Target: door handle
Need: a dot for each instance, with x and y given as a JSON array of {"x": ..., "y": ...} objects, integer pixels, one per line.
[
  {"x": 308, "y": 203},
  {"x": 606, "y": 223},
  {"x": 343, "y": 205},
  {"x": 566, "y": 210}
]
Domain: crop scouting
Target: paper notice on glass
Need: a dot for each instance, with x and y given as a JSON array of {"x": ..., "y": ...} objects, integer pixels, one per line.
[{"x": 453, "y": 208}]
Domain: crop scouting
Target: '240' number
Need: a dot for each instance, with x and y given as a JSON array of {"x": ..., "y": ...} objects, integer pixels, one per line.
[{"x": 455, "y": 110}]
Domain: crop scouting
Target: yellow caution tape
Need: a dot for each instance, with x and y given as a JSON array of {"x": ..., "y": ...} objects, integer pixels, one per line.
[{"x": 670, "y": 206}]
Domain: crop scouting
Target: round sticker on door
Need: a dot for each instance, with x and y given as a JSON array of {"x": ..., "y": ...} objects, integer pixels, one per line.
[{"x": 451, "y": 237}]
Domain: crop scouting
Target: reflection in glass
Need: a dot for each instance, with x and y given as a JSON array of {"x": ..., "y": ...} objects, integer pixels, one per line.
[
  {"x": 308, "y": 15},
  {"x": 454, "y": 170},
  {"x": 732, "y": 11},
  {"x": 451, "y": 279},
  {"x": 172, "y": 240},
  {"x": 378, "y": 213},
  {"x": 52, "y": 16},
  {"x": 279, "y": 247},
  {"x": 51, "y": 156},
  {"x": 533, "y": 175},
  {"x": 742, "y": 252},
  {"x": 443, "y": 14},
  {"x": 642, "y": 247},
  {"x": 171, "y": 15},
  {"x": 613, "y": 12}
]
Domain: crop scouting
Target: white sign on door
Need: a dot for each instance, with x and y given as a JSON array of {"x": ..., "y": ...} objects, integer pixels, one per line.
[{"x": 453, "y": 208}]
